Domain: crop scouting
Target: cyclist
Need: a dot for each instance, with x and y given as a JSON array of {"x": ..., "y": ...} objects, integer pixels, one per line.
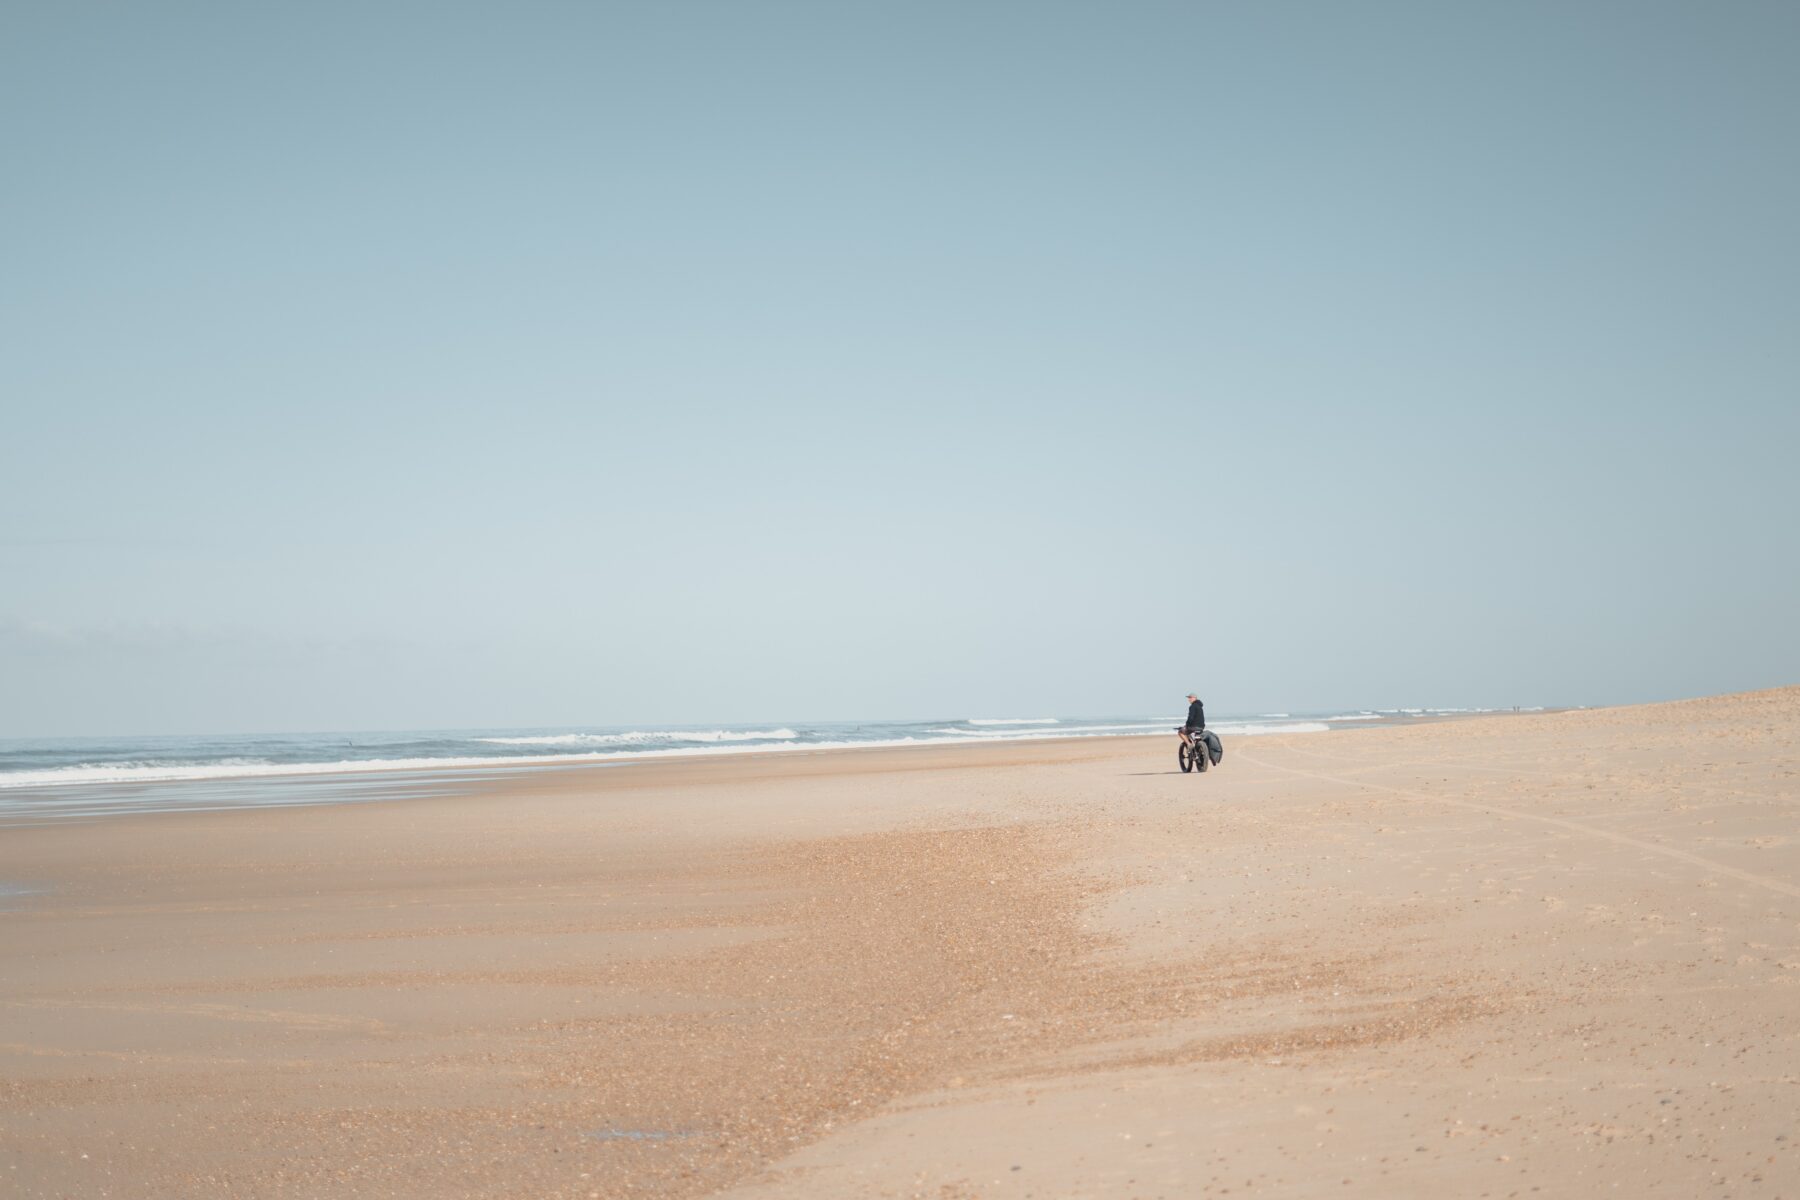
[{"x": 1196, "y": 721}]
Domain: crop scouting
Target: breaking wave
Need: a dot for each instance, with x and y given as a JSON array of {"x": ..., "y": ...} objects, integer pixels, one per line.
[{"x": 662, "y": 737}]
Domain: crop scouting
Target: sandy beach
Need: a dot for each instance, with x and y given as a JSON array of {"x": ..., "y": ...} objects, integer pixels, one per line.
[{"x": 1533, "y": 955}]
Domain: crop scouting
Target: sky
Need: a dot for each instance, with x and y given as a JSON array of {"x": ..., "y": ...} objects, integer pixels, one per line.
[{"x": 401, "y": 366}]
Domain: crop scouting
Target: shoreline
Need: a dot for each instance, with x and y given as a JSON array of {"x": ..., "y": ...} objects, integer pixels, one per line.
[{"x": 29, "y": 804}]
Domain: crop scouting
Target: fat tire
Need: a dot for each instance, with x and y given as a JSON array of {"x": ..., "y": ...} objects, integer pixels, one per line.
[{"x": 1184, "y": 758}]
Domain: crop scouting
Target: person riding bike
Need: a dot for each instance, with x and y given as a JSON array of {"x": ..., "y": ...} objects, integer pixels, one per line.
[{"x": 1196, "y": 721}]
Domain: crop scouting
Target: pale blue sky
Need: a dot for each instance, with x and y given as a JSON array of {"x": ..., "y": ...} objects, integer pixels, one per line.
[{"x": 443, "y": 365}]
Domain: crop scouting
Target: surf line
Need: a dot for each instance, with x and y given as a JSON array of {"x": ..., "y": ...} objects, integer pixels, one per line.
[{"x": 1774, "y": 885}]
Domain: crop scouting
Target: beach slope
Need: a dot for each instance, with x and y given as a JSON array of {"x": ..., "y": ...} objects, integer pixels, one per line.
[{"x": 1537, "y": 955}]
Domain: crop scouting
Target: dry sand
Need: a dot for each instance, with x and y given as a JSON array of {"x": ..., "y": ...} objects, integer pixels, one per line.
[{"x": 1541, "y": 956}]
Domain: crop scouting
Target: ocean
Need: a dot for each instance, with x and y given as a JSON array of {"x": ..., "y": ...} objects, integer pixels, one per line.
[{"x": 51, "y": 778}]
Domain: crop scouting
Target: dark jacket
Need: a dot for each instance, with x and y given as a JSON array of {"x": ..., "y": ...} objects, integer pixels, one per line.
[{"x": 1196, "y": 715}]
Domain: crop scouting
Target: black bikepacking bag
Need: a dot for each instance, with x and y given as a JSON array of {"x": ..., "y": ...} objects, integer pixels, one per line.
[{"x": 1215, "y": 749}]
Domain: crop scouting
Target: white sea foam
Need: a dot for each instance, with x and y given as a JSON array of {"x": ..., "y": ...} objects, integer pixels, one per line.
[
  {"x": 133, "y": 772},
  {"x": 1253, "y": 729},
  {"x": 166, "y": 772},
  {"x": 1150, "y": 727},
  {"x": 1009, "y": 734},
  {"x": 641, "y": 739},
  {"x": 1364, "y": 716},
  {"x": 1013, "y": 721}
]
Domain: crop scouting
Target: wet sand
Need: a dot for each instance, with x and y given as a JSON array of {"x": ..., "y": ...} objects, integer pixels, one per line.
[{"x": 1538, "y": 955}]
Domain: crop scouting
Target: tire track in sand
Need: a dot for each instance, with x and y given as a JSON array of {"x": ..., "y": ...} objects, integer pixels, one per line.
[{"x": 1773, "y": 885}]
